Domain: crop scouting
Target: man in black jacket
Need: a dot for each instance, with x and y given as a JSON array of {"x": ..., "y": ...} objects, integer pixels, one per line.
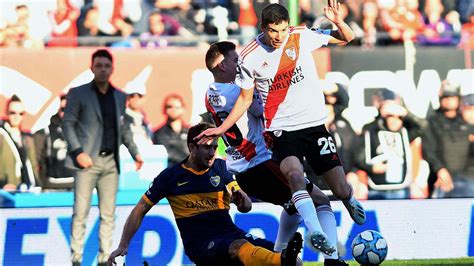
[
  {"x": 51, "y": 152},
  {"x": 173, "y": 133},
  {"x": 446, "y": 147}
]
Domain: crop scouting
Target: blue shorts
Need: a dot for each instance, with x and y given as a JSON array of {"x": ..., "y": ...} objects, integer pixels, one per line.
[{"x": 216, "y": 251}]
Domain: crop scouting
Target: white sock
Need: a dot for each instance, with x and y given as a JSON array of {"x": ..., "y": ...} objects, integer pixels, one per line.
[
  {"x": 328, "y": 223},
  {"x": 305, "y": 206},
  {"x": 288, "y": 226}
]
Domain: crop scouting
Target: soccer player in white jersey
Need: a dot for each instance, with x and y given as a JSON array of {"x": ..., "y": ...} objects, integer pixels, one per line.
[
  {"x": 248, "y": 157},
  {"x": 279, "y": 64}
]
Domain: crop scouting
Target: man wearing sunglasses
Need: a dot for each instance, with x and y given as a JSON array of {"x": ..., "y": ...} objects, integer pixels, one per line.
[
  {"x": 173, "y": 133},
  {"x": 135, "y": 117},
  {"x": 18, "y": 167}
]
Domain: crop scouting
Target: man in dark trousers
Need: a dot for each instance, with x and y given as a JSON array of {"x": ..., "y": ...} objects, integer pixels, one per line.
[{"x": 94, "y": 131}]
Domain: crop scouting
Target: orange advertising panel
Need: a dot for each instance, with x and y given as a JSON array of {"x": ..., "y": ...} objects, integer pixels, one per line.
[{"x": 38, "y": 77}]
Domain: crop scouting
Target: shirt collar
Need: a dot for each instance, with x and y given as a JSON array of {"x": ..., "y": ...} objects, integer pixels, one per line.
[{"x": 111, "y": 88}]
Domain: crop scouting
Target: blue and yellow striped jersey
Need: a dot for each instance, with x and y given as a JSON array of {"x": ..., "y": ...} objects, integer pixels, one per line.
[{"x": 199, "y": 200}]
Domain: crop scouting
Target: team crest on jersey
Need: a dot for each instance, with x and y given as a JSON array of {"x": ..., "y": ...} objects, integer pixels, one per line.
[
  {"x": 291, "y": 53},
  {"x": 215, "y": 180},
  {"x": 210, "y": 245},
  {"x": 277, "y": 133}
]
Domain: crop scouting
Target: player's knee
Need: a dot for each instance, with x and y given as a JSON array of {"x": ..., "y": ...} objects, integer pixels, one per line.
[
  {"x": 296, "y": 178},
  {"x": 235, "y": 247}
]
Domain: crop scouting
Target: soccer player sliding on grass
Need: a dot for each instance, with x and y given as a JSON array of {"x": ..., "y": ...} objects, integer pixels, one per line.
[{"x": 199, "y": 191}]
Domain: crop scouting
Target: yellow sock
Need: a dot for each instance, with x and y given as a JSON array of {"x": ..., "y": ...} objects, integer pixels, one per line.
[{"x": 251, "y": 255}]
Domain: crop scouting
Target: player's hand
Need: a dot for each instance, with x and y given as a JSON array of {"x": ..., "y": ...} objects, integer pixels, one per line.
[
  {"x": 138, "y": 162},
  {"x": 208, "y": 135},
  {"x": 241, "y": 200},
  {"x": 332, "y": 12},
  {"x": 120, "y": 251},
  {"x": 84, "y": 160},
  {"x": 445, "y": 181}
]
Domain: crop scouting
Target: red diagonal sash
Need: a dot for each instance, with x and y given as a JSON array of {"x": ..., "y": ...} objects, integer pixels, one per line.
[{"x": 282, "y": 79}]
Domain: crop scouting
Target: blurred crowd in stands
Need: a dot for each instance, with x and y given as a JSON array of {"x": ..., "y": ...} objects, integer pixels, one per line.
[{"x": 161, "y": 23}]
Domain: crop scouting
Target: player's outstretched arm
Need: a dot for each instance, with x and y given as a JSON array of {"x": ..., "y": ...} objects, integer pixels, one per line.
[
  {"x": 241, "y": 105},
  {"x": 132, "y": 225},
  {"x": 333, "y": 13}
]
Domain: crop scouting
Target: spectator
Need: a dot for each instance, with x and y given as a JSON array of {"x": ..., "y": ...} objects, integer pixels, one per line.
[
  {"x": 134, "y": 116},
  {"x": 385, "y": 154},
  {"x": 191, "y": 16},
  {"x": 335, "y": 94},
  {"x": 306, "y": 16},
  {"x": 464, "y": 10},
  {"x": 63, "y": 21},
  {"x": 20, "y": 33},
  {"x": 446, "y": 146},
  {"x": 174, "y": 132},
  {"x": 467, "y": 33},
  {"x": 437, "y": 30},
  {"x": 94, "y": 132},
  {"x": 18, "y": 166},
  {"x": 403, "y": 21},
  {"x": 8, "y": 35},
  {"x": 160, "y": 25},
  {"x": 413, "y": 124},
  {"x": 88, "y": 26},
  {"x": 51, "y": 153},
  {"x": 147, "y": 7},
  {"x": 247, "y": 21},
  {"x": 116, "y": 17},
  {"x": 370, "y": 14}
]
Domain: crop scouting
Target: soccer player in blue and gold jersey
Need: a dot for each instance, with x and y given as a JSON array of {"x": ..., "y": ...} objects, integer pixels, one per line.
[{"x": 199, "y": 191}]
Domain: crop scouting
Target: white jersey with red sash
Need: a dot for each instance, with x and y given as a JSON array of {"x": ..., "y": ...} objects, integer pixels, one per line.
[
  {"x": 245, "y": 143},
  {"x": 286, "y": 79}
]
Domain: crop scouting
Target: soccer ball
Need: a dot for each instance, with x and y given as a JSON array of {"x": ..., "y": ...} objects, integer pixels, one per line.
[{"x": 369, "y": 248}]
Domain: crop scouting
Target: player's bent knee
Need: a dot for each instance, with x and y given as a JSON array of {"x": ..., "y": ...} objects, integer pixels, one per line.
[
  {"x": 235, "y": 247},
  {"x": 296, "y": 180}
]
